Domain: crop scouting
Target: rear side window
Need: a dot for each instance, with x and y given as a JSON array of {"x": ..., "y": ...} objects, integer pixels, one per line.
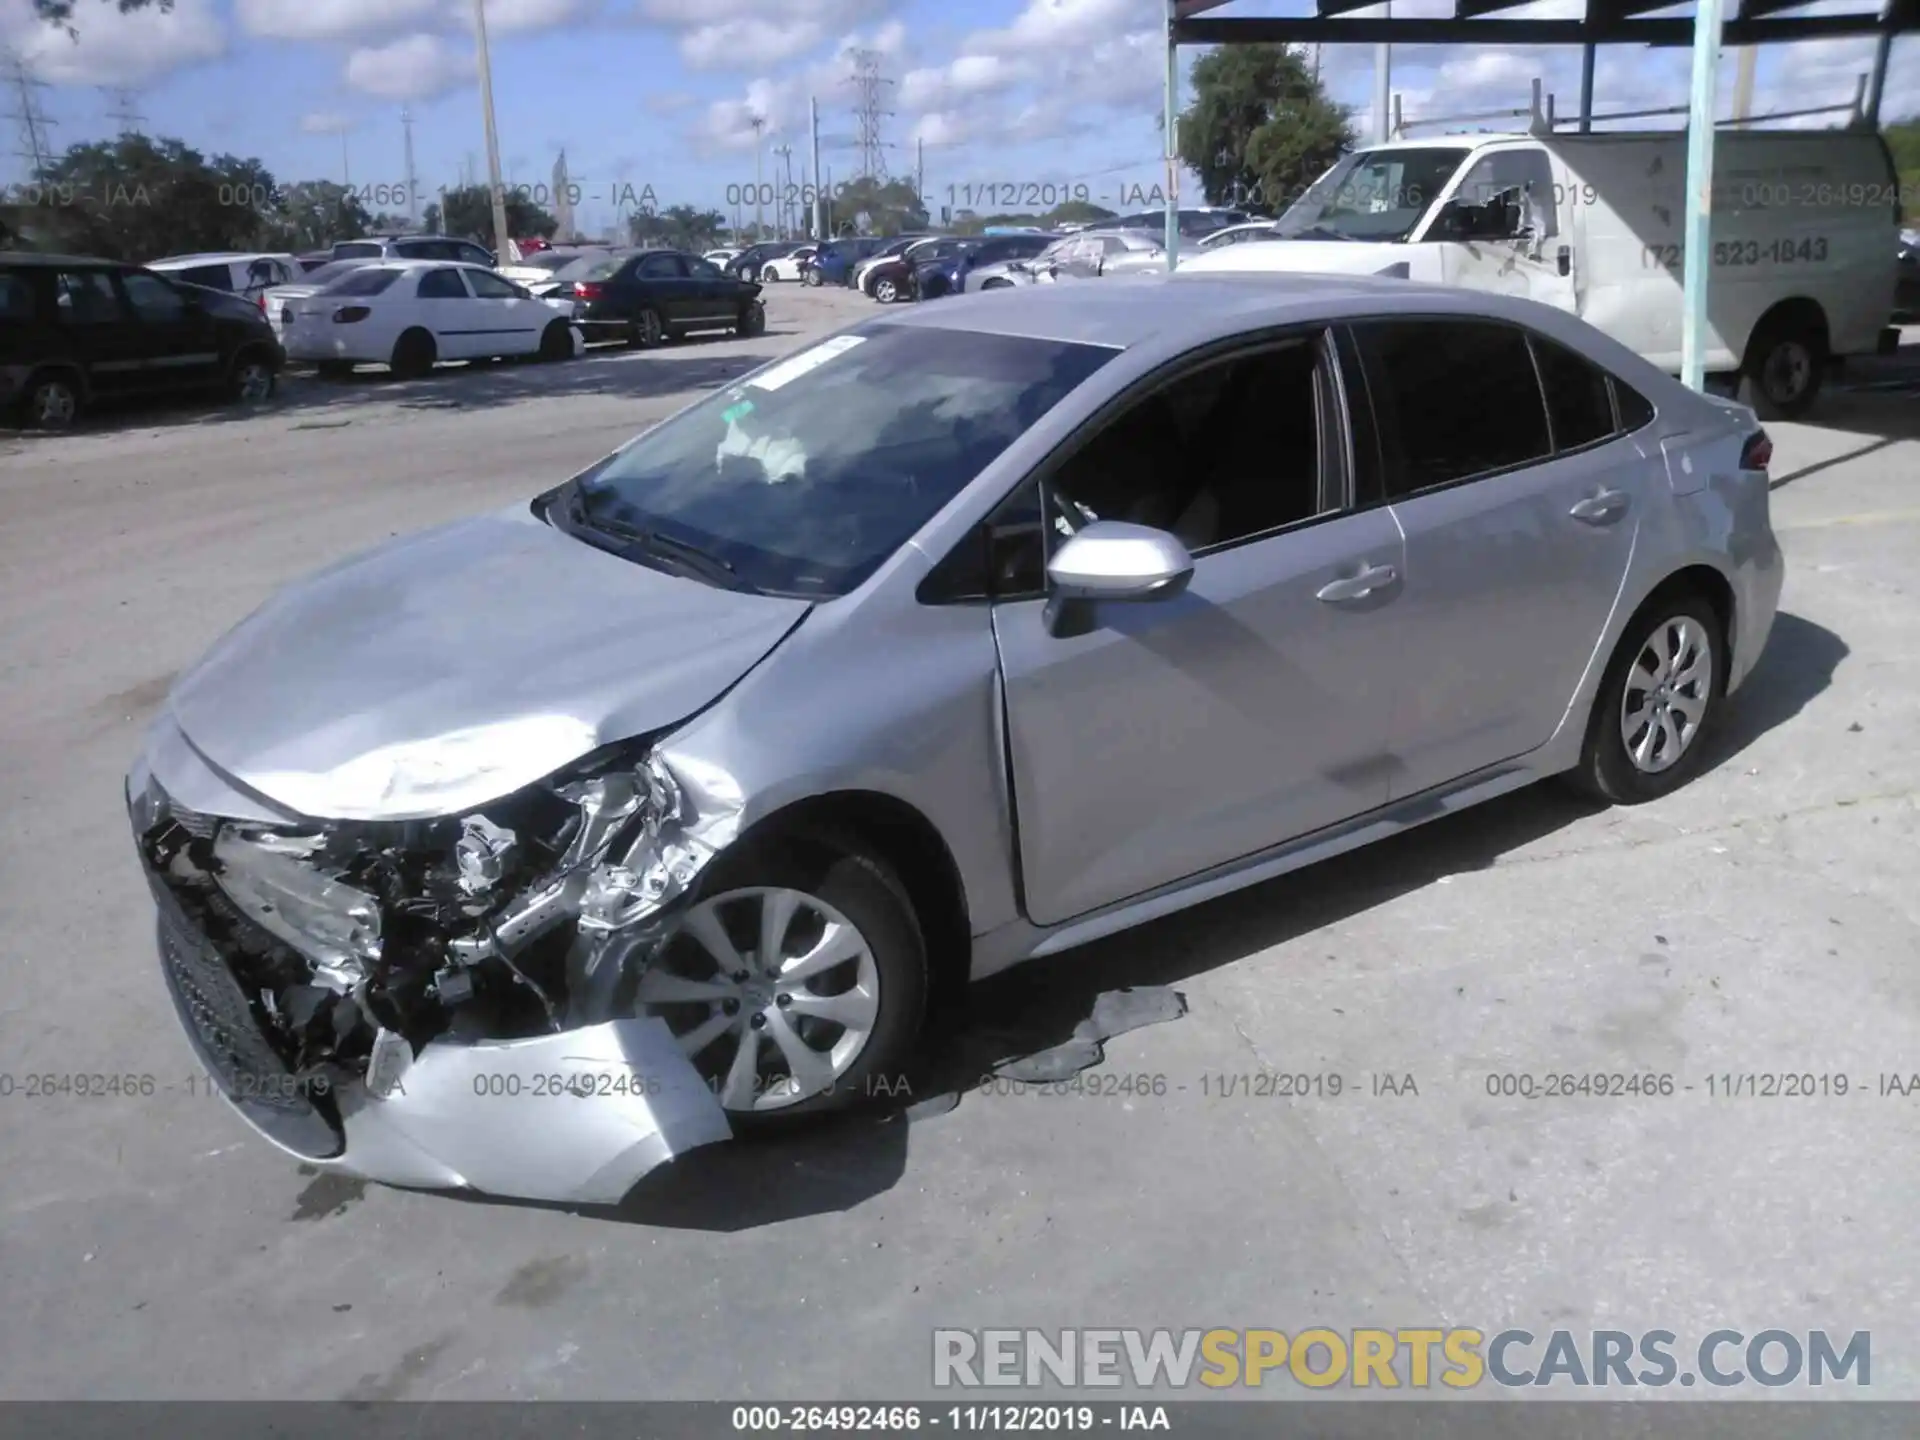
[
  {"x": 1454, "y": 399},
  {"x": 369, "y": 280},
  {"x": 441, "y": 285},
  {"x": 1578, "y": 405},
  {"x": 87, "y": 297},
  {"x": 1635, "y": 411},
  {"x": 660, "y": 267},
  {"x": 214, "y": 277},
  {"x": 16, "y": 297}
]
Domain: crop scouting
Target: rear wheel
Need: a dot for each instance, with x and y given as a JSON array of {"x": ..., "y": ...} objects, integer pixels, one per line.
[
  {"x": 251, "y": 379},
  {"x": 414, "y": 354},
  {"x": 52, "y": 402},
  {"x": 556, "y": 341},
  {"x": 1658, "y": 699},
  {"x": 998, "y": 285},
  {"x": 811, "y": 276},
  {"x": 797, "y": 984},
  {"x": 647, "y": 330},
  {"x": 1786, "y": 363},
  {"x": 769, "y": 276}
]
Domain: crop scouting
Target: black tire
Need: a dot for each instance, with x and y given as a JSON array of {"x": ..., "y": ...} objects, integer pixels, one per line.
[
  {"x": 769, "y": 276},
  {"x": 1785, "y": 366},
  {"x": 886, "y": 290},
  {"x": 414, "y": 354},
  {"x": 647, "y": 330},
  {"x": 252, "y": 377},
  {"x": 52, "y": 401},
  {"x": 1607, "y": 771},
  {"x": 866, "y": 892},
  {"x": 334, "y": 369},
  {"x": 812, "y": 276},
  {"x": 556, "y": 342},
  {"x": 752, "y": 321},
  {"x": 997, "y": 284}
]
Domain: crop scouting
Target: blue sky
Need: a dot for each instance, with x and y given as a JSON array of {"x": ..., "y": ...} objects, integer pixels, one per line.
[{"x": 662, "y": 94}]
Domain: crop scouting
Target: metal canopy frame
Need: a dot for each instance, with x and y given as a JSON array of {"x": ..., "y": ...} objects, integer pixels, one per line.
[{"x": 1605, "y": 22}]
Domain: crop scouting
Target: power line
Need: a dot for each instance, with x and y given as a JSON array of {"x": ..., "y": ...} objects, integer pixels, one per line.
[
  {"x": 413, "y": 182},
  {"x": 123, "y": 110},
  {"x": 870, "y": 86},
  {"x": 28, "y": 115}
]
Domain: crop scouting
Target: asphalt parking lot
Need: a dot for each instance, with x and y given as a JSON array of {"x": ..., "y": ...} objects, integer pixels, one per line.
[{"x": 1765, "y": 920}]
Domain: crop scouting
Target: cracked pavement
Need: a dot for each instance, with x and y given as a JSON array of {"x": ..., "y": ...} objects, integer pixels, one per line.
[{"x": 1765, "y": 920}]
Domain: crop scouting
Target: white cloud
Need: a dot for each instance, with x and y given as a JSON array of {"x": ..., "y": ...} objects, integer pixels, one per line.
[
  {"x": 416, "y": 67},
  {"x": 727, "y": 125},
  {"x": 111, "y": 48},
  {"x": 325, "y": 123},
  {"x": 330, "y": 19},
  {"x": 510, "y": 17},
  {"x": 755, "y": 34},
  {"x": 749, "y": 44}
]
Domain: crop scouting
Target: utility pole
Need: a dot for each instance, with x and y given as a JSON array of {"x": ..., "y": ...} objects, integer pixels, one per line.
[
  {"x": 122, "y": 110},
  {"x": 817, "y": 210},
  {"x": 785, "y": 152},
  {"x": 28, "y": 115},
  {"x": 413, "y": 179},
  {"x": 920, "y": 169},
  {"x": 1382, "y": 88},
  {"x": 1743, "y": 82},
  {"x": 500, "y": 236},
  {"x": 759, "y": 124},
  {"x": 869, "y": 83}
]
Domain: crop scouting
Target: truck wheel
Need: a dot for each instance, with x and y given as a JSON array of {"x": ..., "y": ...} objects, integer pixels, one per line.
[{"x": 1786, "y": 363}]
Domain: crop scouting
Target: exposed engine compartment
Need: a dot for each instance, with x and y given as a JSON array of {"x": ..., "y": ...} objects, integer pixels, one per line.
[{"x": 357, "y": 943}]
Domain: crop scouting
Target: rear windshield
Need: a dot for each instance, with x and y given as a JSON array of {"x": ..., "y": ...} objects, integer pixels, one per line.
[
  {"x": 347, "y": 249},
  {"x": 591, "y": 267},
  {"x": 365, "y": 280},
  {"x": 332, "y": 272}
]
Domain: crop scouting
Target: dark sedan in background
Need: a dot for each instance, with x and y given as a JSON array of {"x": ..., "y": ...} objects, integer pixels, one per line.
[
  {"x": 833, "y": 262},
  {"x": 947, "y": 275},
  {"x": 647, "y": 297},
  {"x": 892, "y": 278},
  {"x": 748, "y": 264}
]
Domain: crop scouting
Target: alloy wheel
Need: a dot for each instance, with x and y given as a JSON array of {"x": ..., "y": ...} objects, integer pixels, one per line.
[
  {"x": 253, "y": 382},
  {"x": 884, "y": 292},
  {"x": 772, "y": 993},
  {"x": 1669, "y": 687},
  {"x": 54, "y": 405}
]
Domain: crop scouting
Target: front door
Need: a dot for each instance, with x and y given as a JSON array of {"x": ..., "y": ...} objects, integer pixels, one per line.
[
  {"x": 1173, "y": 736},
  {"x": 714, "y": 295},
  {"x": 510, "y": 319},
  {"x": 665, "y": 285},
  {"x": 179, "y": 345},
  {"x": 448, "y": 309},
  {"x": 105, "y": 338},
  {"x": 1531, "y": 253},
  {"x": 1520, "y": 511}
]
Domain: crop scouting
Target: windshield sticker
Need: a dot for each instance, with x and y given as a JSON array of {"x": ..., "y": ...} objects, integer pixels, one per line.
[
  {"x": 806, "y": 361},
  {"x": 737, "y": 412}
]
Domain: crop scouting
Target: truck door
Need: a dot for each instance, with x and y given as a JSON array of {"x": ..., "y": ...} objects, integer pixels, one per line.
[{"x": 1504, "y": 228}]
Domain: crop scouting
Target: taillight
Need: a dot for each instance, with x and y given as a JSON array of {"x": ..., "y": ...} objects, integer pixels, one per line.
[
  {"x": 347, "y": 314},
  {"x": 262, "y": 301},
  {"x": 1757, "y": 453},
  {"x": 584, "y": 291}
]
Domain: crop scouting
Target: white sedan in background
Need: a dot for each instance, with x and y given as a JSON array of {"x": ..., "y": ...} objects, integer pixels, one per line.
[
  {"x": 410, "y": 314},
  {"x": 786, "y": 267}
]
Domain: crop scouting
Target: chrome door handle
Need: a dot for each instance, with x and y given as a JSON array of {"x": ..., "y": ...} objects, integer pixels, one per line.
[
  {"x": 1599, "y": 509},
  {"x": 1358, "y": 587}
]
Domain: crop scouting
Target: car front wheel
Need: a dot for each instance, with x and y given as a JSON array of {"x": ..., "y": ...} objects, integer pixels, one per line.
[
  {"x": 796, "y": 984},
  {"x": 885, "y": 291},
  {"x": 1658, "y": 700},
  {"x": 251, "y": 381},
  {"x": 53, "y": 402}
]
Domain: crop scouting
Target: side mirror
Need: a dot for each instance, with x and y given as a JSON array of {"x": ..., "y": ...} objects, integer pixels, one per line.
[{"x": 1112, "y": 560}]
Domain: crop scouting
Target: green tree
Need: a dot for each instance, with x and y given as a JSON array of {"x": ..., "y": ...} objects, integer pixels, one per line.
[
  {"x": 315, "y": 213},
  {"x": 1260, "y": 128},
  {"x": 892, "y": 207},
  {"x": 1903, "y": 140},
  {"x": 468, "y": 213},
  {"x": 139, "y": 198},
  {"x": 678, "y": 227}
]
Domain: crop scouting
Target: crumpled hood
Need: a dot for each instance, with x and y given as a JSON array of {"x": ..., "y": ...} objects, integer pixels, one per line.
[
  {"x": 449, "y": 668},
  {"x": 1318, "y": 257}
]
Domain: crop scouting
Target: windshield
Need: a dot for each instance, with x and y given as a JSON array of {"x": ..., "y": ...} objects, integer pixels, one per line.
[
  {"x": 804, "y": 478},
  {"x": 329, "y": 273},
  {"x": 1371, "y": 195}
]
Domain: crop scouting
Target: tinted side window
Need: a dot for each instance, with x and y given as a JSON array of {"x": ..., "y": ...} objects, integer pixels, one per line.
[
  {"x": 357, "y": 250},
  {"x": 214, "y": 277},
  {"x": 87, "y": 297},
  {"x": 1635, "y": 411},
  {"x": 369, "y": 281},
  {"x": 153, "y": 300},
  {"x": 16, "y": 297},
  {"x": 442, "y": 285},
  {"x": 660, "y": 267},
  {"x": 1578, "y": 405},
  {"x": 1454, "y": 398}
]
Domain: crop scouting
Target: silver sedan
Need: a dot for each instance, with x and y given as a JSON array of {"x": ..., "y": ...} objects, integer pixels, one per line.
[{"x": 969, "y": 635}]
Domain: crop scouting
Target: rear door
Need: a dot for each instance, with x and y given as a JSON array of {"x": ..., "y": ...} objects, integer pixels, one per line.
[
  {"x": 512, "y": 322},
  {"x": 663, "y": 282},
  {"x": 104, "y": 337},
  {"x": 178, "y": 342},
  {"x": 1520, "y": 505},
  {"x": 716, "y": 297},
  {"x": 459, "y": 322}
]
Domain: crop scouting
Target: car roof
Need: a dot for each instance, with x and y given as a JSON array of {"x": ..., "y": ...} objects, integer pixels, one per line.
[
  {"x": 1121, "y": 312},
  {"x": 216, "y": 257},
  {"x": 34, "y": 259}
]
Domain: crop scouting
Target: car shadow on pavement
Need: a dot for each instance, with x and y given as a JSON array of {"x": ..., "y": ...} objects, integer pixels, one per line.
[{"x": 1043, "y": 1009}]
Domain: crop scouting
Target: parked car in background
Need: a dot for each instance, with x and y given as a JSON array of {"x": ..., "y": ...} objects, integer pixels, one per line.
[
  {"x": 748, "y": 264},
  {"x": 559, "y": 283},
  {"x": 279, "y": 300},
  {"x": 248, "y": 274},
  {"x": 1906, "y": 295},
  {"x": 77, "y": 333},
  {"x": 1005, "y": 274},
  {"x": 541, "y": 266},
  {"x": 1194, "y": 222},
  {"x": 833, "y": 261},
  {"x": 411, "y": 314},
  {"x": 414, "y": 247},
  {"x": 948, "y": 275},
  {"x": 721, "y": 257},
  {"x": 1239, "y": 234},
  {"x": 1082, "y": 256},
  {"x": 890, "y": 278},
  {"x": 721, "y": 766},
  {"x": 314, "y": 259},
  {"x": 649, "y": 297},
  {"x": 790, "y": 266},
  {"x": 882, "y": 252}
]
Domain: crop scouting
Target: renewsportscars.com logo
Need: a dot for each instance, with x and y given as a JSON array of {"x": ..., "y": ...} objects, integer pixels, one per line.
[{"x": 1418, "y": 1359}]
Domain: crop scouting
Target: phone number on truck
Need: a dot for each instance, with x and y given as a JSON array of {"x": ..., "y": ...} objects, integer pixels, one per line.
[{"x": 1741, "y": 253}]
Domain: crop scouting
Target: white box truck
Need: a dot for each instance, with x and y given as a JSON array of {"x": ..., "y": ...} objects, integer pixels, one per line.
[{"x": 1805, "y": 239}]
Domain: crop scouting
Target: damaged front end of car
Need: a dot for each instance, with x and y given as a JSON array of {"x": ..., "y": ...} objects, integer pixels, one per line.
[{"x": 450, "y": 1002}]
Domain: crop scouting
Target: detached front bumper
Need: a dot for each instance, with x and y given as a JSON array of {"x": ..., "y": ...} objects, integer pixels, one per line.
[{"x": 575, "y": 1116}]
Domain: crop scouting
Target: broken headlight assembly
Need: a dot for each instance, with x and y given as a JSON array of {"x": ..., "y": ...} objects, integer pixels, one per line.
[{"x": 529, "y": 915}]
